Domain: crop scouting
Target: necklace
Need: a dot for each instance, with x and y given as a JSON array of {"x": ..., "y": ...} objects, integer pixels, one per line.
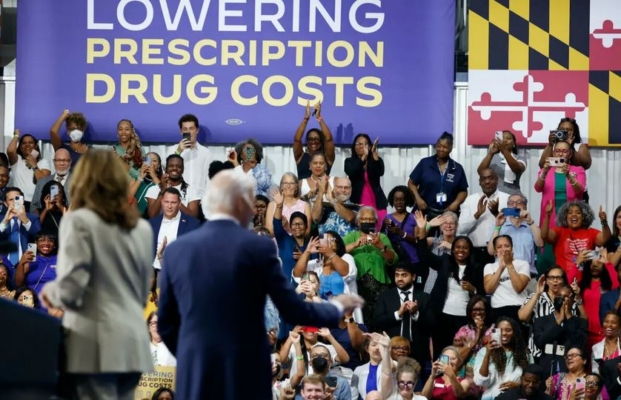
[{"x": 609, "y": 353}]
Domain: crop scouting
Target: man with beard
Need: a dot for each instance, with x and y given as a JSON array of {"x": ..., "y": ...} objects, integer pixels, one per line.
[
  {"x": 403, "y": 311},
  {"x": 530, "y": 386},
  {"x": 478, "y": 215},
  {"x": 339, "y": 216},
  {"x": 62, "y": 166},
  {"x": 558, "y": 331}
]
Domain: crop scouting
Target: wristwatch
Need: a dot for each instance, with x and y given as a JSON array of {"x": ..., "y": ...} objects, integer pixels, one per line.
[{"x": 349, "y": 320}]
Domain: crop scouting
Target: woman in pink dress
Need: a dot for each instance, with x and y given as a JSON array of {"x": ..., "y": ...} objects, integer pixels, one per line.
[{"x": 365, "y": 169}]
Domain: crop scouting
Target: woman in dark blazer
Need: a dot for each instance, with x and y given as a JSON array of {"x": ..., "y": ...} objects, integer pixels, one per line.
[
  {"x": 459, "y": 278},
  {"x": 364, "y": 169}
]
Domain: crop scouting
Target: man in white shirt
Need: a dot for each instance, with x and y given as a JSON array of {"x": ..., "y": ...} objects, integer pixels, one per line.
[
  {"x": 174, "y": 178},
  {"x": 195, "y": 156},
  {"x": 62, "y": 166},
  {"x": 478, "y": 215}
]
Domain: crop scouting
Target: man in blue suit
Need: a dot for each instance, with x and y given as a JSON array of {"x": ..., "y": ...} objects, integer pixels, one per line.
[
  {"x": 610, "y": 301},
  {"x": 212, "y": 301},
  {"x": 168, "y": 226},
  {"x": 18, "y": 226}
]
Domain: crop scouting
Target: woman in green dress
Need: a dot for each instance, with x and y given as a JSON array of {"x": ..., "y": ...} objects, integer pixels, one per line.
[
  {"x": 150, "y": 175},
  {"x": 129, "y": 147}
]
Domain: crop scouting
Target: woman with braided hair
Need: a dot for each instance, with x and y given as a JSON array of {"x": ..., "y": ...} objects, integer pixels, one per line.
[
  {"x": 129, "y": 147},
  {"x": 498, "y": 366}
]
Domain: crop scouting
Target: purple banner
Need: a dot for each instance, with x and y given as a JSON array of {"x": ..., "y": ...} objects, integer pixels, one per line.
[{"x": 245, "y": 68}]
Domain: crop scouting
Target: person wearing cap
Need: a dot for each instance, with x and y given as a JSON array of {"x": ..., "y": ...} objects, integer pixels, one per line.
[{"x": 530, "y": 386}]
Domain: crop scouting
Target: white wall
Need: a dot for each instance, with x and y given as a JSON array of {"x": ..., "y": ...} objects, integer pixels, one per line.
[{"x": 603, "y": 177}]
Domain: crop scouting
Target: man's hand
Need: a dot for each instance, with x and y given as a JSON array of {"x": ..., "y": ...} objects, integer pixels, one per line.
[
  {"x": 20, "y": 213},
  {"x": 349, "y": 302},
  {"x": 412, "y": 306},
  {"x": 183, "y": 144},
  {"x": 402, "y": 309},
  {"x": 481, "y": 207}
]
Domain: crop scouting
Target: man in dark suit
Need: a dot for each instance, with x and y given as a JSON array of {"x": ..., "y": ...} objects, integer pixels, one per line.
[
  {"x": 610, "y": 301},
  {"x": 212, "y": 301},
  {"x": 405, "y": 311},
  {"x": 18, "y": 226}
]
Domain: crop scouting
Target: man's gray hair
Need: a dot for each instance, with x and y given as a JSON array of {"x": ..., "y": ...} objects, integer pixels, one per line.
[
  {"x": 524, "y": 199},
  {"x": 225, "y": 189},
  {"x": 366, "y": 208}
]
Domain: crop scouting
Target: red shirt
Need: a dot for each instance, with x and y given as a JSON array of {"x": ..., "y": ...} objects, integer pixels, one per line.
[{"x": 569, "y": 243}]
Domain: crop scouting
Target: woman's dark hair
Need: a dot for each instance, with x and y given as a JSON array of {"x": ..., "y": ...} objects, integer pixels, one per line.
[
  {"x": 4, "y": 160},
  {"x": 502, "y": 237},
  {"x": 36, "y": 146},
  {"x": 353, "y": 145},
  {"x": 217, "y": 166},
  {"x": 9, "y": 275},
  {"x": 319, "y": 154},
  {"x": 161, "y": 390},
  {"x": 517, "y": 345},
  {"x": 579, "y": 347},
  {"x": 299, "y": 215},
  {"x": 612, "y": 243},
  {"x": 340, "y": 244},
  {"x": 563, "y": 282},
  {"x": 258, "y": 148},
  {"x": 262, "y": 198},
  {"x": 469, "y": 272},
  {"x": 514, "y": 149},
  {"x": 587, "y": 277},
  {"x": 407, "y": 195},
  {"x": 446, "y": 136},
  {"x": 488, "y": 310},
  {"x": 35, "y": 298},
  {"x": 614, "y": 313},
  {"x": 322, "y": 138},
  {"x": 46, "y": 191},
  {"x": 577, "y": 137},
  {"x": 600, "y": 380}
]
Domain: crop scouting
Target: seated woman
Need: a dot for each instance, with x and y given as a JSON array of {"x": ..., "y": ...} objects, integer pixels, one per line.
[
  {"x": 443, "y": 383},
  {"x": 498, "y": 366},
  {"x": 77, "y": 132},
  {"x": 159, "y": 352},
  {"x": 288, "y": 202},
  {"x": 129, "y": 147},
  {"x": 469, "y": 338},
  {"x": 6, "y": 286},
  {"x": 34, "y": 271},
  {"x": 561, "y": 384},
  {"x": 247, "y": 158},
  {"x": 309, "y": 187},
  {"x": 55, "y": 207},
  {"x": 27, "y": 298},
  {"x": 365, "y": 168},
  {"x": 506, "y": 279},
  {"x": 502, "y": 157},
  {"x": 316, "y": 141},
  {"x": 566, "y": 184},
  {"x": 573, "y": 234},
  {"x": 27, "y": 164},
  {"x": 400, "y": 226},
  {"x": 150, "y": 175},
  {"x": 336, "y": 269}
]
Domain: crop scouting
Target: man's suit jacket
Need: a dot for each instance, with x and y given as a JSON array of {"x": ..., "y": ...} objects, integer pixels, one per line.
[
  {"x": 37, "y": 201},
  {"x": 211, "y": 310},
  {"x": 573, "y": 332},
  {"x": 186, "y": 224},
  {"x": 103, "y": 281},
  {"x": 25, "y": 236},
  {"x": 607, "y": 303},
  {"x": 388, "y": 302}
]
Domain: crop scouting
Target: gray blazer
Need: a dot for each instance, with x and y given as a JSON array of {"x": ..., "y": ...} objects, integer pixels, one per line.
[
  {"x": 37, "y": 201},
  {"x": 103, "y": 278}
]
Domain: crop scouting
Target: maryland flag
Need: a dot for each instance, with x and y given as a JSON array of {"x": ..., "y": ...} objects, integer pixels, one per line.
[{"x": 533, "y": 62}]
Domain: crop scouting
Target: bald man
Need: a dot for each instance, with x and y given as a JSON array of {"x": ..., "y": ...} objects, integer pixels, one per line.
[{"x": 62, "y": 166}]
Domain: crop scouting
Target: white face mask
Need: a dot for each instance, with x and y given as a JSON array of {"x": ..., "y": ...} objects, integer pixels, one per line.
[{"x": 76, "y": 135}]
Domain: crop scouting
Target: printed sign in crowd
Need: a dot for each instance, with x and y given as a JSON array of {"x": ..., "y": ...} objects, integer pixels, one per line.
[
  {"x": 245, "y": 67},
  {"x": 163, "y": 377}
]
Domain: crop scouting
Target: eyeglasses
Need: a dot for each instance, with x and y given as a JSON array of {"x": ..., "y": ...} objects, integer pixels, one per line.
[
  {"x": 477, "y": 309},
  {"x": 515, "y": 203},
  {"x": 153, "y": 323},
  {"x": 592, "y": 383},
  {"x": 572, "y": 356},
  {"x": 555, "y": 277},
  {"x": 402, "y": 348},
  {"x": 62, "y": 160},
  {"x": 408, "y": 384}
]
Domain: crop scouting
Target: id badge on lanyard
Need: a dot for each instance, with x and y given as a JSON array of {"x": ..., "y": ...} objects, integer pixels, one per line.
[{"x": 441, "y": 197}]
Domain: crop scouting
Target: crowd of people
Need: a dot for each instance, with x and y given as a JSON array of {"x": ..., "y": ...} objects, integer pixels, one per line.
[{"x": 466, "y": 295}]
